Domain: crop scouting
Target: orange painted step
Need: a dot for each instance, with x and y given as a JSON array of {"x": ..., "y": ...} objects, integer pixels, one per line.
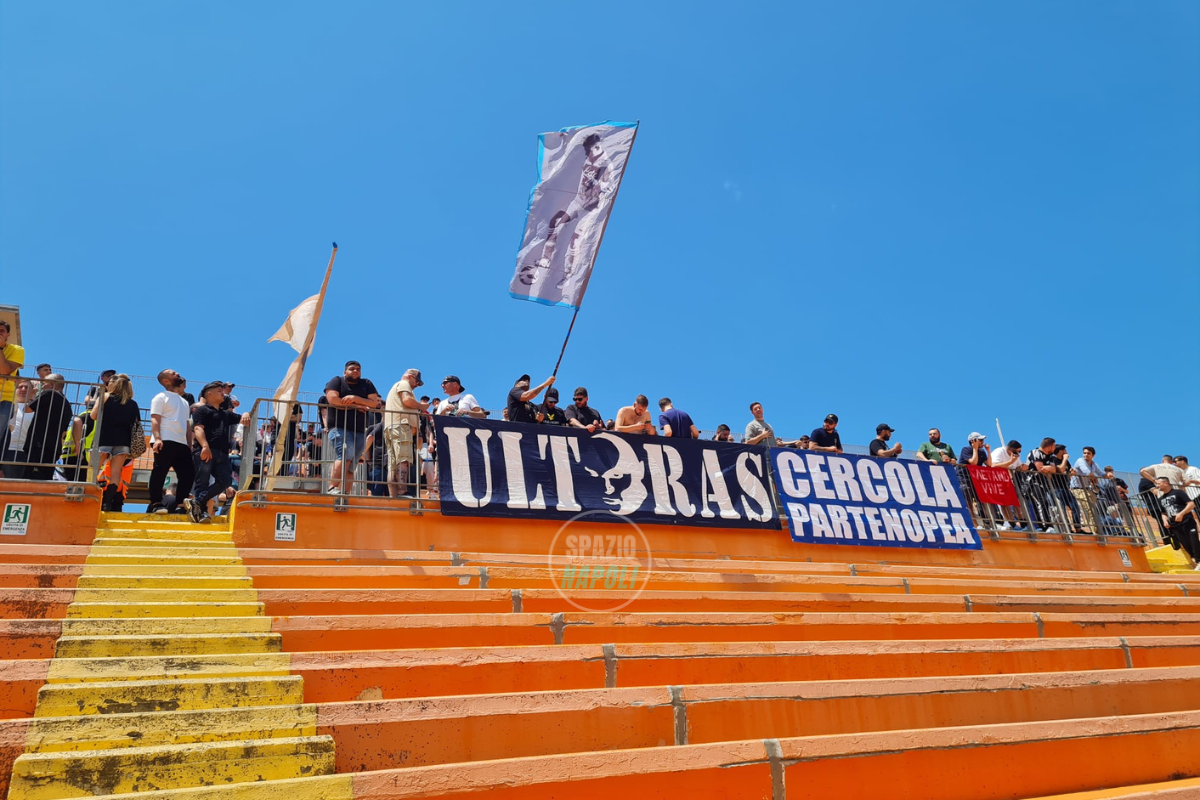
[
  {"x": 986, "y": 762},
  {"x": 43, "y": 554},
  {"x": 425, "y": 731},
  {"x": 334, "y": 677},
  {"x": 39, "y": 576},
  {"x": 35, "y": 603},
  {"x": 500, "y": 577},
  {"x": 382, "y": 632},
  {"x": 29, "y": 638}
]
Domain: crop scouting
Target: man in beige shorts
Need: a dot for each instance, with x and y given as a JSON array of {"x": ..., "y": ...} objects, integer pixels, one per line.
[{"x": 401, "y": 433}]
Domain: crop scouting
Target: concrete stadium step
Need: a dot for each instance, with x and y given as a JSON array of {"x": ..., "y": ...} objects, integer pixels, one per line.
[
  {"x": 176, "y": 644},
  {"x": 42, "y": 553},
  {"x": 121, "y": 520},
  {"x": 39, "y": 576},
  {"x": 290, "y": 602},
  {"x": 449, "y": 730},
  {"x": 118, "y": 609},
  {"x": 128, "y": 556},
  {"x": 174, "y": 694},
  {"x": 359, "y": 577},
  {"x": 368, "y": 632},
  {"x": 1016, "y": 759},
  {"x": 55, "y": 776},
  {"x": 131, "y": 668},
  {"x": 188, "y": 546},
  {"x": 180, "y": 582},
  {"x": 334, "y": 677},
  {"x": 326, "y": 557},
  {"x": 197, "y": 533},
  {"x": 1184, "y": 789},
  {"x": 38, "y": 638}
]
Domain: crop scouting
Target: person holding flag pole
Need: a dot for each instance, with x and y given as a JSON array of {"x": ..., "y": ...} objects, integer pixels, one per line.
[{"x": 579, "y": 175}]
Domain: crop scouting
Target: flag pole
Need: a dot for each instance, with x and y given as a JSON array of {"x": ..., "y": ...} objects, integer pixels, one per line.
[{"x": 637, "y": 125}]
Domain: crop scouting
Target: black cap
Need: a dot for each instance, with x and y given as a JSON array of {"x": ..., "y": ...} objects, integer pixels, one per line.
[
  {"x": 454, "y": 378},
  {"x": 552, "y": 393},
  {"x": 524, "y": 377},
  {"x": 831, "y": 418},
  {"x": 352, "y": 363},
  {"x": 881, "y": 427},
  {"x": 212, "y": 385}
]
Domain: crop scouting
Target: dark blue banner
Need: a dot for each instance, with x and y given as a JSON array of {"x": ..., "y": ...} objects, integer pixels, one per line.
[
  {"x": 501, "y": 469},
  {"x": 862, "y": 500}
]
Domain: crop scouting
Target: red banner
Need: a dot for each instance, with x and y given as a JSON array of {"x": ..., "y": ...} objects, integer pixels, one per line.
[{"x": 993, "y": 485}]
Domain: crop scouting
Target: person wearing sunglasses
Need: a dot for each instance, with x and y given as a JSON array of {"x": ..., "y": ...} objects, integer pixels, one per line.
[{"x": 580, "y": 415}]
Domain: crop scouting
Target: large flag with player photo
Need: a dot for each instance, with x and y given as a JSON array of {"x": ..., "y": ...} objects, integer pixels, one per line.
[{"x": 579, "y": 172}]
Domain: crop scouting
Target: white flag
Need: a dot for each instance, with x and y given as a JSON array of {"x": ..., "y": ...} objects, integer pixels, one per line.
[
  {"x": 299, "y": 322},
  {"x": 579, "y": 172}
]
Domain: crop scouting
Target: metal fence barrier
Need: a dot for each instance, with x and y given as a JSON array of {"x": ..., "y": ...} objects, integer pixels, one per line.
[{"x": 59, "y": 442}]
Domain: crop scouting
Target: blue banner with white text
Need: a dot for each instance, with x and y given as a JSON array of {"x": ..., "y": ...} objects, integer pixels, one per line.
[
  {"x": 882, "y": 502},
  {"x": 501, "y": 469}
]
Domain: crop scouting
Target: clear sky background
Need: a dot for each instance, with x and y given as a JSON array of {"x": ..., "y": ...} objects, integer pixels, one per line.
[{"x": 916, "y": 213}]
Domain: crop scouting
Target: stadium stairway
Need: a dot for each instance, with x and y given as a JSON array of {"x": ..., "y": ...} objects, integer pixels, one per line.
[{"x": 163, "y": 660}]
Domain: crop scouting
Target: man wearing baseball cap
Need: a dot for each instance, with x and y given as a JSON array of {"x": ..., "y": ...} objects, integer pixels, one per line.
[
  {"x": 458, "y": 402},
  {"x": 552, "y": 414},
  {"x": 976, "y": 453},
  {"x": 401, "y": 429},
  {"x": 212, "y": 427},
  {"x": 879, "y": 448},
  {"x": 826, "y": 437},
  {"x": 520, "y": 409}
]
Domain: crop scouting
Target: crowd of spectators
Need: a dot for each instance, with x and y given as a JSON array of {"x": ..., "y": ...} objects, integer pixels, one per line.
[{"x": 204, "y": 441}]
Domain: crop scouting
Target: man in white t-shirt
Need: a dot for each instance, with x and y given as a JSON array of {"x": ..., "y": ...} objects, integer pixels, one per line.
[
  {"x": 458, "y": 403},
  {"x": 1191, "y": 477},
  {"x": 170, "y": 439},
  {"x": 1009, "y": 457}
]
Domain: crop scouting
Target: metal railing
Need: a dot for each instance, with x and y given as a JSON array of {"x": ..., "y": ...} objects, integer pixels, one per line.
[{"x": 49, "y": 443}]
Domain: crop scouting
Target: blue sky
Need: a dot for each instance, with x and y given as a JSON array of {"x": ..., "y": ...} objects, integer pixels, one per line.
[{"x": 914, "y": 213}]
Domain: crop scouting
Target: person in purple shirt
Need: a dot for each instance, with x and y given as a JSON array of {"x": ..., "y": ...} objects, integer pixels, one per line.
[{"x": 674, "y": 422}]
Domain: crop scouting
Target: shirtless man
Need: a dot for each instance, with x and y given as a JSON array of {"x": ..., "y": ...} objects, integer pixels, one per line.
[{"x": 636, "y": 418}]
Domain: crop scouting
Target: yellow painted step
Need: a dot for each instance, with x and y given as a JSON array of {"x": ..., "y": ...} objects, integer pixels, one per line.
[
  {"x": 183, "y": 595},
  {"x": 122, "y": 610},
  {"x": 161, "y": 557},
  {"x": 177, "y": 644},
  {"x": 164, "y": 543},
  {"x": 130, "y": 697},
  {"x": 181, "y": 570},
  {"x": 164, "y": 626},
  {"x": 55, "y": 776},
  {"x": 202, "y": 534},
  {"x": 1168, "y": 559},
  {"x": 327, "y": 787},
  {"x": 144, "y": 668},
  {"x": 109, "y": 731},
  {"x": 163, "y": 582},
  {"x": 156, "y": 521}
]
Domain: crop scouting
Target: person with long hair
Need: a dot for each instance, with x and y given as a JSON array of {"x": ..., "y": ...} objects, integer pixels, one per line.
[{"x": 119, "y": 414}]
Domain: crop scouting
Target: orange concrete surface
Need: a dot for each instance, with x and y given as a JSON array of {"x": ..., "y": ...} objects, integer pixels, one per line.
[
  {"x": 19, "y": 684},
  {"x": 384, "y": 674},
  {"x": 385, "y": 632},
  {"x": 414, "y": 733},
  {"x": 53, "y": 519},
  {"x": 29, "y": 638},
  {"x": 993, "y": 762},
  {"x": 13, "y": 735},
  {"x": 440, "y": 577},
  {"x": 39, "y": 576},
  {"x": 42, "y": 554},
  {"x": 419, "y": 732},
  {"x": 317, "y": 602},
  {"x": 1186, "y": 789},
  {"x": 319, "y": 526},
  {"x": 35, "y": 603},
  {"x": 996, "y": 762}
]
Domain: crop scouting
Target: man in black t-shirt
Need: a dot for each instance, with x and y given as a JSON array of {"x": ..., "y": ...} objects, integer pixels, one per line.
[
  {"x": 213, "y": 429},
  {"x": 1178, "y": 513},
  {"x": 551, "y": 413},
  {"x": 51, "y": 417},
  {"x": 879, "y": 447},
  {"x": 580, "y": 415},
  {"x": 350, "y": 397},
  {"x": 826, "y": 437},
  {"x": 520, "y": 407},
  {"x": 1044, "y": 469}
]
